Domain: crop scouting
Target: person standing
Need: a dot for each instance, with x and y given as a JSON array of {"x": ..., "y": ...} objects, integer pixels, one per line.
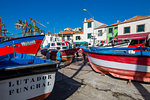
[
  {"x": 48, "y": 55},
  {"x": 84, "y": 57},
  {"x": 59, "y": 57}
]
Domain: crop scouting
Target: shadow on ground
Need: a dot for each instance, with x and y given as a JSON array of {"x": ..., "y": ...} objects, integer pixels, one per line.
[{"x": 64, "y": 87}]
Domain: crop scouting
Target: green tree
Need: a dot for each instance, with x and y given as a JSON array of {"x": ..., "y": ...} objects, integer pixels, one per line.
[
  {"x": 30, "y": 30},
  {"x": 21, "y": 25}
]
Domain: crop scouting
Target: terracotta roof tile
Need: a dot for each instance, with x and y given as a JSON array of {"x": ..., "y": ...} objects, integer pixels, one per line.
[
  {"x": 89, "y": 20},
  {"x": 66, "y": 32},
  {"x": 114, "y": 24},
  {"x": 78, "y": 33},
  {"x": 136, "y": 18}
]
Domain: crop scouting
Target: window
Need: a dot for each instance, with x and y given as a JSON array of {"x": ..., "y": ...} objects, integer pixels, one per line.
[
  {"x": 115, "y": 28},
  {"x": 53, "y": 44},
  {"x": 135, "y": 42},
  {"x": 89, "y": 35},
  {"x": 51, "y": 38},
  {"x": 140, "y": 28},
  {"x": 68, "y": 37},
  {"x": 89, "y": 24},
  {"x": 127, "y": 30},
  {"x": 58, "y": 43},
  {"x": 63, "y": 44},
  {"x": 63, "y": 37},
  {"x": 78, "y": 37},
  {"x": 110, "y": 39},
  {"x": 110, "y": 30},
  {"x": 100, "y": 33}
]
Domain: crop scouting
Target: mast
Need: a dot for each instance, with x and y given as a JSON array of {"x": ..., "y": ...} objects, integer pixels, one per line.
[{"x": 0, "y": 28}]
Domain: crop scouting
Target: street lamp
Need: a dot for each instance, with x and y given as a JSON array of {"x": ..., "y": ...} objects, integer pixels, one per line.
[
  {"x": 93, "y": 25},
  {"x": 52, "y": 26}
]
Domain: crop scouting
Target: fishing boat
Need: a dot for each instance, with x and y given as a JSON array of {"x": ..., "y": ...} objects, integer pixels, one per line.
[
  {"x": 126, "y": 63},
  {"x": 26, "y": 77},
  {"x": 26, "y": 45},
  {"x": 67, "y": 52}
]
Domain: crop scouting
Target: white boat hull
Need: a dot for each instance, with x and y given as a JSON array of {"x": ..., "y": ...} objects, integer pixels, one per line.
[{"x": 27, "y": 87}]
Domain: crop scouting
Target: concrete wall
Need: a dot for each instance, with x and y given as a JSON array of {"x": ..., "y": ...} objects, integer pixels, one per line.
[{"x": 133, "y": 26}]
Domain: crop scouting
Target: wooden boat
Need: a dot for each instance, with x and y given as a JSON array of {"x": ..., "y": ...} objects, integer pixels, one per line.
[
  {"x": 126, "y": 63},
  {"x": 25, "y": 77},
  {"x": 67, "y": 53},
  {"x": 26, "y": 45}
]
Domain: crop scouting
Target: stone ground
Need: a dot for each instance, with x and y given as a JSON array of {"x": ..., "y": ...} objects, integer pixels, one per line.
[{"x": 77, "y": 81}]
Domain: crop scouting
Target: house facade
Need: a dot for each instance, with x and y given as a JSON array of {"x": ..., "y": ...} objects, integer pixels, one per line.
[
  {"x": 71, "y": 35},
  {"x": 112, "y": 31},
  {"x": 78, "y": 37},
  {"x": 137, "y": 24},
  {"x": 88, "y": 29},
  {"x": 101, "y": 34},
  {"x": 66, "y": 36}
]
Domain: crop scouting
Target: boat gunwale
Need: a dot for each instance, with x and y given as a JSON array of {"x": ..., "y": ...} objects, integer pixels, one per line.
[
  {"x": 28, "y": 66},
  {"x": 126, "y": 55},
  {"x": 22, "y": 72},
  {"x": 21, "y": 38}
]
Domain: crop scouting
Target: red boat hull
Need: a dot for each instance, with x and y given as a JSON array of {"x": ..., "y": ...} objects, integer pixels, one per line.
[
  {"x": 41, "y": 97},
  {"x": 126, "y": 67},
  {"x": 27, "y": 45},
  {"x": 67, "y": 55}
]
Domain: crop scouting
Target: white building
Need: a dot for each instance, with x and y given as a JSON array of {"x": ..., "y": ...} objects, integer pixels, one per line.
[
  {"x": 101, "y": 34},
  {"x": 88, "y": 29},
  {"x": 78, "y": 37},
  {"x": 71, "y": 35},
  {"x": 49, "y": 38},
  {"x": 137, "y": 24}
]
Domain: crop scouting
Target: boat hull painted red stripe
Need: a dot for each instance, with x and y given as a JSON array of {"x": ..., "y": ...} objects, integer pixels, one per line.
[
  {"x": 125, "y": 74},
  {"x": 29, "y": 49},
  {"x": 121, "y": 73},
  {"x": 41, "y": 97},
  {"x": 122, "y": 59}
]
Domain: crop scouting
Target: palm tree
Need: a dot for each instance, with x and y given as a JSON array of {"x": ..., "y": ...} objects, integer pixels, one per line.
[
  {"x": 21, "y": 25},
  {"x": 38, "y": 30},
  {"x": 30, "y": 29}
]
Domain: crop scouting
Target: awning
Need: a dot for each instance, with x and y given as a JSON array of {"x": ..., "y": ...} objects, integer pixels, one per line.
[
  {"x": 80, "y": 42},
  {"x": 131, "y": 36}
]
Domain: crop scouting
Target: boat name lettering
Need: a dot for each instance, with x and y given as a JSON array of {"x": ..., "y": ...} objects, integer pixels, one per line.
[
  {"x": 28, "y": 84},
  {"x": 28, "y": 43}
]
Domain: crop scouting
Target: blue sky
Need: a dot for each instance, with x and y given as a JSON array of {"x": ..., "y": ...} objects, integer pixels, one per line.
[{"x": 69, "y": 13}]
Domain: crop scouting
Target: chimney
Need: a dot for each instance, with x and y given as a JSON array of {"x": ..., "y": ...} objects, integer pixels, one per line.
[
  {"x": 84, "y": 19},
  {"x": 118, "y": 21}
]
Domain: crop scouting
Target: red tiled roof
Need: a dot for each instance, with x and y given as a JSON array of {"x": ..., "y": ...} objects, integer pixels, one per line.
[
  {"x": 136, "y": 18},
  {"x": 89, "y": 20},
  {"x": 132, "y": 36},
  {"x": 78, "y": 33},
  {"x": 114, "y": 24},
  {"x": 66, "y": 32}
]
